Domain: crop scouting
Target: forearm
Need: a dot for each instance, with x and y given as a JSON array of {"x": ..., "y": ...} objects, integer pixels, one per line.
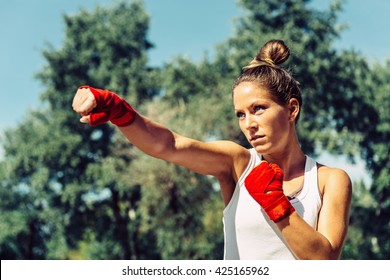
[
  {"x": 150, "y": 137},
  {"x": 305, "y": 241}
]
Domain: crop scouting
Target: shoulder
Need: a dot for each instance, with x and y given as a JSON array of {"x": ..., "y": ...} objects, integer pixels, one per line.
[
  {"x": 330, "y": 174},
  {"x": 334, "y": 182},
  {"x": 238, "y": 156}
]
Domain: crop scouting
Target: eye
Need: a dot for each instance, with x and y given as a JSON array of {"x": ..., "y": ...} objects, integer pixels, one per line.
[
  {"x": 240, "y": 115},
  {"x": 258, "y": 108}
]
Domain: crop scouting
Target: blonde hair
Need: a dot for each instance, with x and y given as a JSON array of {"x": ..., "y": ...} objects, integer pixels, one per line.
[{"x": 265, "y": 70}]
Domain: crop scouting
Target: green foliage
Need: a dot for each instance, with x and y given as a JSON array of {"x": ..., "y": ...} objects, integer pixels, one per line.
[
  {"x": 56, "y": 161},
  {"x": 374, "y": 150},
  {"x": 69, "y": 191}
]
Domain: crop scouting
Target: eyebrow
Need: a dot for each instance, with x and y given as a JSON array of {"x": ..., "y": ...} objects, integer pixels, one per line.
[{"x": 257, "y": 102}]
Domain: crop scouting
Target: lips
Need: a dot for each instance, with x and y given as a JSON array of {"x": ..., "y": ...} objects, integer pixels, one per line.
[{"x": 256, "y": 137}]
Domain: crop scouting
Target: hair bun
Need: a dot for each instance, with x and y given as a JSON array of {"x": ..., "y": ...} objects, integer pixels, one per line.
[{"x": 274, "y": 52}]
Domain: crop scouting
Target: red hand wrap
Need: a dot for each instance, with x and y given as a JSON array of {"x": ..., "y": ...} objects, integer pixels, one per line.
[
  {"x": 110, "y": 107},
  {"x": 265, "y": 185}
]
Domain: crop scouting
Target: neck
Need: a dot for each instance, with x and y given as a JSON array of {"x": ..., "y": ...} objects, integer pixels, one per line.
[{"x": 291, "y": 160}]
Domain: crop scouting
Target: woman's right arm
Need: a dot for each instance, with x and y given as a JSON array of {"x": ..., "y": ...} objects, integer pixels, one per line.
[{"x": 218, "y": 158}]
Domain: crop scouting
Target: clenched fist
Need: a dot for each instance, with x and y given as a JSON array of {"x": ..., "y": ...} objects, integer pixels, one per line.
[
  {"x": 97, "y": 106},
  {"x": 265, "y": 185}
]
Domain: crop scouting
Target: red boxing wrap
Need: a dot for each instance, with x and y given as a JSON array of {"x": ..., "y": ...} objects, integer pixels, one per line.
[
  {"x": 265, "y": 185},
  {"x": 110, "y": 107}
]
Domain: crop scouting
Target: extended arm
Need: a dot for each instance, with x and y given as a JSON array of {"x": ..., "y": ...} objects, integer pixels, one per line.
[{"x": 218, "y": 158}]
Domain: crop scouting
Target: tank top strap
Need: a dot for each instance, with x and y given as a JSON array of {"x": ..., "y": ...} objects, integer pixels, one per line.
[{"x": 310, "y": 180}]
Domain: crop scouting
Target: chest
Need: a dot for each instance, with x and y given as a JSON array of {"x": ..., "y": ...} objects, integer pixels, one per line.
[{"x": 294, "y": 186}]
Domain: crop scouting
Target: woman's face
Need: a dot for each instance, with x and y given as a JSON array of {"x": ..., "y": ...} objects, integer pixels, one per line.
[{"x": 265, "y": 123}]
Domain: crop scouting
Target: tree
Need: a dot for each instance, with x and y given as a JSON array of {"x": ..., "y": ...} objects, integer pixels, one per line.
[
  {"x": 103, "y": 205},
  {"x": 73, "y": 191},
  {"x": 55, "y": 171},
  {"x": 371, "y": 214}
]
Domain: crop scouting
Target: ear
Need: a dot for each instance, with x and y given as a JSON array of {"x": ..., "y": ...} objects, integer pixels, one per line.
[{"x": 294, "y": 108}]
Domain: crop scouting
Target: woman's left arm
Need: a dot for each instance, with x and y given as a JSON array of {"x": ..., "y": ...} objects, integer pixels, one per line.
[{"x": 327, "y": 241}]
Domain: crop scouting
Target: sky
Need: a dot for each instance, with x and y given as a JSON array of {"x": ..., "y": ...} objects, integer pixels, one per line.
[{"x": 177, "y": 27}]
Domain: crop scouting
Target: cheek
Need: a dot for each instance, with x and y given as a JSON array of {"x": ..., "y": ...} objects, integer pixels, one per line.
[{"x": 279, "y": 125}]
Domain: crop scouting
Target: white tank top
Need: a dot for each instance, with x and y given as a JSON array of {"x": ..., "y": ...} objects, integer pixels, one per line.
[{"x": 250, "y": 234}]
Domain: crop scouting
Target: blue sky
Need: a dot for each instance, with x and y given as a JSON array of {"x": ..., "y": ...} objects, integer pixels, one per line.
[{"x": 178, "y": 27}]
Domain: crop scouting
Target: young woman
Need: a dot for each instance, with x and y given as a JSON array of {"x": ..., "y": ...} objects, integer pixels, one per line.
[{"x": 280, "y": 203}]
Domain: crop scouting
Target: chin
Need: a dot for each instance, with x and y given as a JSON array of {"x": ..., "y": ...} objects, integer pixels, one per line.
[{"x": 261, "y": 149}]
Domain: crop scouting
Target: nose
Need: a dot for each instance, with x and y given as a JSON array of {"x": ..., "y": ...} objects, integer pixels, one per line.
[{"x": 250, "y": 122}]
